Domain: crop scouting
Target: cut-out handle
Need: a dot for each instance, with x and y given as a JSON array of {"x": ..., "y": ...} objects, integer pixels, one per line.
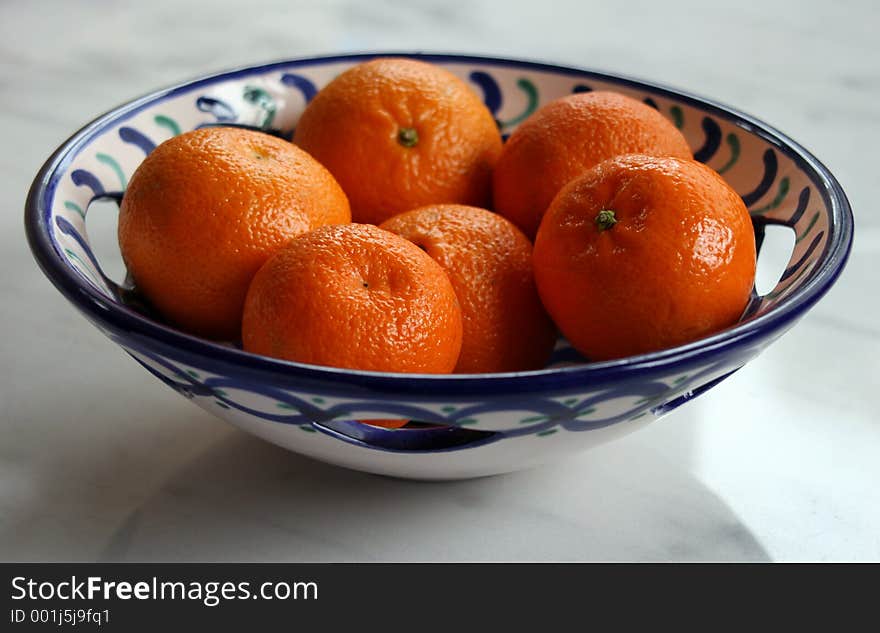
[
  {"x": 104, "y": 244},
  {"x": 102, "y": 220},
  {"x": 406, "y": 440},
  {"x": 776, "y": 258},
  {"x": 673, "y": 404},
  {"x": 775, "y": 243}
]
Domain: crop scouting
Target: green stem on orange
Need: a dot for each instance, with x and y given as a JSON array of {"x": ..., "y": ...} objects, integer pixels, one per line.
[
  {"x": 605, "y": 219},
  {"x": 407, "y": 136}
]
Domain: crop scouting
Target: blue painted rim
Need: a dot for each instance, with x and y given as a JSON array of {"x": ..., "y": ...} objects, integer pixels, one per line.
[{"x": 732, "y": 341}]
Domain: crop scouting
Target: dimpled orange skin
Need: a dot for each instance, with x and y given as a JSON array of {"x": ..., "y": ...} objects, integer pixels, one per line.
[
  {"x": 356, "y": 297},
  {"x": 353, "y": 125},
  {"x": 678, "y": 265},
  {"x": 489, "y": 262},
  {"x": 206, "y": 209},
  {"x": 565, "y": 138}
]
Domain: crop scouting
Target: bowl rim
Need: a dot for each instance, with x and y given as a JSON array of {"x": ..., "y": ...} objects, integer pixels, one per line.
[{"x": 739, "y": 337}]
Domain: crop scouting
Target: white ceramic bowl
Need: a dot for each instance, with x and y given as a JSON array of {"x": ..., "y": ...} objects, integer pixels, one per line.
[{"x": 490, "y": 423}]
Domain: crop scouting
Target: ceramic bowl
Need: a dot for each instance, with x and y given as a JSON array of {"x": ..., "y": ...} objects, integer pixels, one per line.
[{"x": 473, "y": 425}]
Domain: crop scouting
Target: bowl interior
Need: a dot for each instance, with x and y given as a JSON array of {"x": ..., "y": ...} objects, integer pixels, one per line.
[{"x": 780, "y": 183}]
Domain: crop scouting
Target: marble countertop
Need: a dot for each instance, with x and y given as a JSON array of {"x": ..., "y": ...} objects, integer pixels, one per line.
[{"x": 99, "y": 461}]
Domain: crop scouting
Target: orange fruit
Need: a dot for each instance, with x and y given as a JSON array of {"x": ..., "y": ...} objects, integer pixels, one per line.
[
  {"x": 386, "y": 424},
  {"x": 644, "y": 253},
  {"x": 357, "y": 297},
  {"x": 398, "y": 134},
  {"x": 206, "y": 209},
  {"x": 566, "y": 137},
  {"x": 489, "y": 262}
]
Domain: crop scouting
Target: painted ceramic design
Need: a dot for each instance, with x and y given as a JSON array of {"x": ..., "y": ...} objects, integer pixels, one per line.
[{"x": 490, "y": 424}]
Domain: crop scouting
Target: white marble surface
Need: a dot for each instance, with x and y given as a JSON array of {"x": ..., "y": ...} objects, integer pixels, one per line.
[{"x": 99, "y": 461}]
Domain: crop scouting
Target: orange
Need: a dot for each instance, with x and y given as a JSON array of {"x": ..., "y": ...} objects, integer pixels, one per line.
[
  {"x": 357, "y": 297},
  {"x": 565, "y": 138},
  {"x": 206, "y": 209},
  {"x": 644, "y": 253},
  {"x": 386, "y": 424},
  {"x": 398, "y": 134},
  {"x": 489, "y": 262}
]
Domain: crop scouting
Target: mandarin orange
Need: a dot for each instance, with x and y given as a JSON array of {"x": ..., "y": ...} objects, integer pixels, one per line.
[
  {"x": 206, "y": 209},
  {"x": 643, "y": 253},
  {"x": 357, "y": 297},
  {"x": 399, "y": 133},
  {"x": 565, "y": 138},
  {"x": 489, "y": 262}
]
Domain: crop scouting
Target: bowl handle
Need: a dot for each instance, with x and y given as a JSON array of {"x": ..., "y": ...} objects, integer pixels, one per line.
[
  {"x": 123, "y": 292},
  {"x": 405, "y": 440},
  {"x": 676, "y": 402}
]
